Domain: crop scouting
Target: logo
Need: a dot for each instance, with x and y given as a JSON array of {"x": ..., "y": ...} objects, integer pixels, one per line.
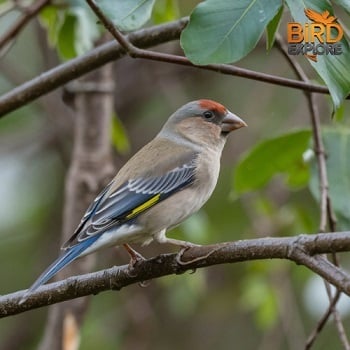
[{"x": 320, "y": 37}]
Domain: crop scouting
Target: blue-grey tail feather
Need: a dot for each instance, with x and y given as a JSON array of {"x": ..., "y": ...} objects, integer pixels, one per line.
[{"x": 68, "y": 256}]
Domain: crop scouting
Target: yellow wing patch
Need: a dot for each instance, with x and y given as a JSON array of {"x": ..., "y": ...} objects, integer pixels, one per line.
[{"x": 152, "y": 201}]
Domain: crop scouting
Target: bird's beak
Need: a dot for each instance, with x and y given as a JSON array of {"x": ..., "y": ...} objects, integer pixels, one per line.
[{"x": 231, "y": 122}]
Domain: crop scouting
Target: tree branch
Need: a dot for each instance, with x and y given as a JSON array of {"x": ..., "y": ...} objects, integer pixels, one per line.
[
  {"x": 301, "y": 249},
  {"x": 322, "y": 322},
  {"x": 30, "y": 12},
  {"x": 62, "y": 74},
  {"x": 75, "y": 68}
]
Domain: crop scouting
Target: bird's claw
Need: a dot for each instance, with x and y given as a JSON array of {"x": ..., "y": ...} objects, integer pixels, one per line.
[
  {"x": 135, "y": 258},
  {"x": 199, "y": 258},
  {"x": 180, "y": 254}
]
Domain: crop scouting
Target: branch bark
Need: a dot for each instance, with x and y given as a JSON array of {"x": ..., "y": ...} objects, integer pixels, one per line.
[{"x": 302, "y": 249}]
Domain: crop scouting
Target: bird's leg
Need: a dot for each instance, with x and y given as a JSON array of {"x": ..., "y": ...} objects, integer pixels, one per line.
[
  {"x": 178, "y": 242},
  {"x": 135, "y": 257},
  {"x": 161, "y": 238}
]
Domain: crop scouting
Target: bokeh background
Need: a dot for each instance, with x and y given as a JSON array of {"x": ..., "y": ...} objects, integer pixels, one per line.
[{"x": 253, "y": 305}]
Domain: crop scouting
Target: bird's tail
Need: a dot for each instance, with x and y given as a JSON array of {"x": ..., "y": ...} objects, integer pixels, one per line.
[{"x": 67, "y": 257}]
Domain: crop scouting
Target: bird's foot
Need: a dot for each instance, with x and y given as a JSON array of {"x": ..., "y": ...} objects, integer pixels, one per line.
[
  {"x": 188, "y": 262},
  {"x": 135, "y": 257}
]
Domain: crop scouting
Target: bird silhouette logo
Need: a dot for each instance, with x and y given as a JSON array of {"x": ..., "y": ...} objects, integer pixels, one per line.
[{"x": 318, "y": 17}]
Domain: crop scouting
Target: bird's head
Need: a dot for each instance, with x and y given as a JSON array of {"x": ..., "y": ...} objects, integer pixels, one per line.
[{"x": 202, "y": 122}]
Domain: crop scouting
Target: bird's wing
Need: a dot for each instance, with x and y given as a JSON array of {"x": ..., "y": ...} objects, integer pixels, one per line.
[
  {"x": 115, "y": 207},
  {"x": 313, "y": 15},
  {"x": 323, "y": 17}
]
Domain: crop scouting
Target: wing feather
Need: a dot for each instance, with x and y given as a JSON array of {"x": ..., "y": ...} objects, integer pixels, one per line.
[{"x": 113, "y": 208}]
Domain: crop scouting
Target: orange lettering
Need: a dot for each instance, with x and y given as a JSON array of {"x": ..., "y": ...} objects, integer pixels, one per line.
[
  {"x": 316, "y": 34},
  {"x": 337, "y": 28},
  {"x": 306, "y": 33},
  {"x": 294, "y": 32}
]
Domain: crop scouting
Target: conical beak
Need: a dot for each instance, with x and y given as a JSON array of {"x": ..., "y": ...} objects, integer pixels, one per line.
[{"x": 231, "y": 122}]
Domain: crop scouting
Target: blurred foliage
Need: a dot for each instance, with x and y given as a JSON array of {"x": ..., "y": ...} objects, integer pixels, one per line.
[
  {"x": 165, "y": 11},
  {"x": 253, "y": 305},
  {"x": 337, "y": 144},
  {"x": 119, "y": 136},
  {"x": 259, "y": 295}
]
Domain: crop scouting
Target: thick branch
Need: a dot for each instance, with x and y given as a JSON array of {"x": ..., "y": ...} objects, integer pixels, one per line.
[
  {"x": 144, "y": 38},
  {"x": 300, "y": 249}
]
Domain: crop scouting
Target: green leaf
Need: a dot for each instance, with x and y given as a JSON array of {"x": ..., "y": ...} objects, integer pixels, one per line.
[
  {"x": 283, "y": 154},
  {"x": 339, "y": 113},
  {"x": 119, "y": 136},
  {"x": 337, "y": 146},
  {"x": 333, "y": 69},
  {"x": 127, "y": 14},
  {"x": 165, "y": 11},
  {"x": 272, "y": 27},
  {"x": 221, "y": 31},
  {"x": 86, "y": 29},
  {"x": 52, "y": 19},
  {"x": 65, "y": 39},
  {"x": 72, "y": 28}
]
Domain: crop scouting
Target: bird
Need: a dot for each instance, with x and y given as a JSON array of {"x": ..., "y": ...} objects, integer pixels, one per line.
[{"x": 165, "y": 182}]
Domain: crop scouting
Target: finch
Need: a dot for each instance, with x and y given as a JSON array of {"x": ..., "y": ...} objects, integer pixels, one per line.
[{"x": 165, "y": 182}]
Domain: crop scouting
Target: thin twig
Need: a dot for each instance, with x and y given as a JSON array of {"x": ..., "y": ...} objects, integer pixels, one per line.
[
  {"x": 341, "y": 330},
  {"x": 79, "y": 66},
  {"x": 322, "y": 322},
  {"x": 301, "y": 249},
  {"x": 326, "y": 210},
  {"x": 21, "y": 22}
]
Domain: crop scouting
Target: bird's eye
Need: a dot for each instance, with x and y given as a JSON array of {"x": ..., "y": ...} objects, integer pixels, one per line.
[{"x": 208, "y": 114}]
